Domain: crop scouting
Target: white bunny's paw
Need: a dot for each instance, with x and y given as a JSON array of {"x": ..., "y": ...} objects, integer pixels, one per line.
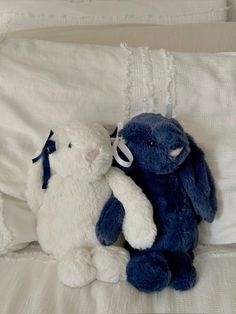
[
  {"x": 139, "y": 232},
  {"x": 75, "y": 269}
]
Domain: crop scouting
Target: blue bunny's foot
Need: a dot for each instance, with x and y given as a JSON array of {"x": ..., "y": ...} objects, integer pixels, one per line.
[
  {"x": 149, "y": 272},
  {"x": 182, "y": 270}
]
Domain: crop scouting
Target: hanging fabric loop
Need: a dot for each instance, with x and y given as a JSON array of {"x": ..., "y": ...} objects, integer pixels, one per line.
[{"x": 169, "y": 111}]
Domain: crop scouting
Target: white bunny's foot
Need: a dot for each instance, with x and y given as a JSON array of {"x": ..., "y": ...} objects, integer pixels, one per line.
[
  {"x": 110, "y": 263},
  {"x": 75, "y": 269}
]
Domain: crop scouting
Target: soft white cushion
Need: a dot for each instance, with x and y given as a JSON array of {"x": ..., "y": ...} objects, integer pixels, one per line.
[
  {"x": 26, "y": 14},
  {"x": 44, "y": 84}
]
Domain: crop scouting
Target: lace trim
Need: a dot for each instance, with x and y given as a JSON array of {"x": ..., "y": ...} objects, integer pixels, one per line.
[
  {"x": 140, "y": 89},
  {"x": 171, "y": 82},
  {"x": 5, "y": 235},
  {"x": 150, "y": 81},
  {"x": 129, "y": 82},
  {"x": 163, "y": 76},
  {"x": 147, "y": 80}
]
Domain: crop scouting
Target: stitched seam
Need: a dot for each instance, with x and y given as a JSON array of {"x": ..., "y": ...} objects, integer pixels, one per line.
[
  {"x": 212, "y": 12},
  {"x": 67, "y": 19},
  {"x": 135, "y": 89}
]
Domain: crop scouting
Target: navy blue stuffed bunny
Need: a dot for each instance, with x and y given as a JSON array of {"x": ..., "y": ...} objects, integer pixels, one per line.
[{"x": 172, "y": 171}]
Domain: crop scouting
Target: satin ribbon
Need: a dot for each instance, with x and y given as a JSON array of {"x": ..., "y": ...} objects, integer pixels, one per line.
[
  {"x": 48, "y": 148},
  {"x": 120, "y": 143},
  {"x": 169, "y": 111}
]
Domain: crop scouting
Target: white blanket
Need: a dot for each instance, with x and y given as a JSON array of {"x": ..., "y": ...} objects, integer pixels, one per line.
[{"x": 29, "y": 284}]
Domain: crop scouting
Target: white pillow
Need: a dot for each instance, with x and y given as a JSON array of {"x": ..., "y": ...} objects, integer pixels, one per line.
[
  {"x": 27, "y": 14},
  {"x": 201, "y": 88},
  {"x": 43, "y": 84},
  {"x": 17, "y": 224}
]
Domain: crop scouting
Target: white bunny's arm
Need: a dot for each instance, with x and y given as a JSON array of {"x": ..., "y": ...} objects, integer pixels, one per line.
[
  {"x": 138, "y": 227},
  {"x": 34, "y": 192}
]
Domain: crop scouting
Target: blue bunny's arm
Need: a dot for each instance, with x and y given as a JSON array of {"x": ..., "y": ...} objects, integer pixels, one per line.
[
  {"x": 199, "y": 184},
  {"x": 110, "y": 222}
]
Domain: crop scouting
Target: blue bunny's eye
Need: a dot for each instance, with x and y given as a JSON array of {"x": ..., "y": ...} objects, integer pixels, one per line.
[
  {"x": 69, "y": 145},
  {"x": 151, "y": 143}
]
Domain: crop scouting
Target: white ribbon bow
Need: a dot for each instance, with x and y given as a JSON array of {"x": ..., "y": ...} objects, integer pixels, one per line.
[{"x": 120, "y": 143}]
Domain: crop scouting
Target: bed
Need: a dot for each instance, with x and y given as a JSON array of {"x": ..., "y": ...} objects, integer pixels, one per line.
[
  {"x": 29, "y": 282},
  {"x": 29, "y": 285}
]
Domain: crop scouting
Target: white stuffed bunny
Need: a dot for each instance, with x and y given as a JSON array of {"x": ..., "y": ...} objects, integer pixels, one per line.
[{"x": 82, "y": 180}]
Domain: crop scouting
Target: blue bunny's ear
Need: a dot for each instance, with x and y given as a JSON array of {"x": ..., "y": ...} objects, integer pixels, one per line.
[{"x": 199, "y": 183}]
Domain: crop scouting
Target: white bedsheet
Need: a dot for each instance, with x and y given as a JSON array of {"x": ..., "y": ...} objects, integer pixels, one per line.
[{"x": 29, "y": 284}]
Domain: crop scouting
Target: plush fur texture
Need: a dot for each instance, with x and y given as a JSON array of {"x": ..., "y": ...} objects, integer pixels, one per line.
[
  {"x": 67, "y": 211},
  {"x": 172, "y": 171}
]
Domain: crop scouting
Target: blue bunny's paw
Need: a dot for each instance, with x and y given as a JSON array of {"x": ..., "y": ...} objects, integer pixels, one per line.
[
  {"x": 110, "y": 222},
  {"x": 183, "y": 272},
  {"x": 105, "y": 237},
  {"x": 149, "y": 273}
]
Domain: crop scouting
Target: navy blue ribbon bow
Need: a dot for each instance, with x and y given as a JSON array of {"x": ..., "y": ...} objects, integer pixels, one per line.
[{"x": 48, "y": 148}]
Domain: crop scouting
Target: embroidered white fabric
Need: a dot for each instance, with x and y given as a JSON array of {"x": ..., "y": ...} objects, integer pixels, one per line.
[
  {"x": 28, "y": 14},
  {"x": 43, "y": 84},
  {"x": 29, "y": 284}
]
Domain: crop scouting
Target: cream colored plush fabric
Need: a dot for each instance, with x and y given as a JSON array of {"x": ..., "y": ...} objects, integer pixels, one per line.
[
  {"x": 206, "y": 37},
  {"x": 28, "y": 14},
  {"x": 29, "y": 284}
]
